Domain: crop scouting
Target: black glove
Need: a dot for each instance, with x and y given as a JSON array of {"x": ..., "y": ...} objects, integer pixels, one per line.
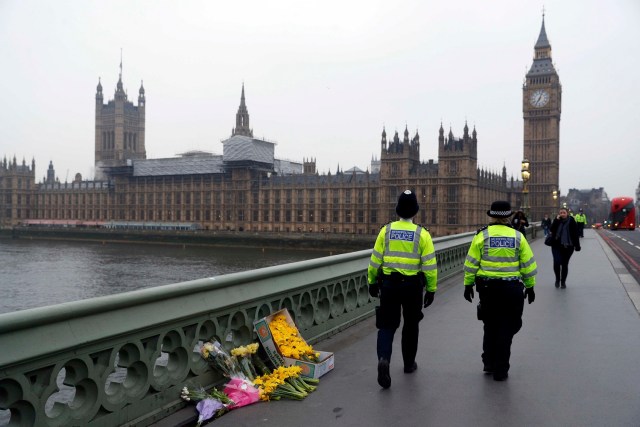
[
  {"x": 428, "y": 298},
  {"x": 374, "y": 290},
  {"x": 578, "y": 248},
  {"x": 468, "y": 293},
  {"x": 530, "y": 294}
]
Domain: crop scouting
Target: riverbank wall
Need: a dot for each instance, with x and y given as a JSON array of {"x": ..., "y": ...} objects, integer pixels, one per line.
[{"x": 336, "y": 243}]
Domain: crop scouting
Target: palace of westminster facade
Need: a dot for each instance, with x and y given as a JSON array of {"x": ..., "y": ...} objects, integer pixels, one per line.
[{"x": 248, "y": 189}]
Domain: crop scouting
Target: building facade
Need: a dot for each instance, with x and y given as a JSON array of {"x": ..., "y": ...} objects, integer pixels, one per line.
[
  {"x": 248, "y": 189},
  {"x": 542, "y": 106}
]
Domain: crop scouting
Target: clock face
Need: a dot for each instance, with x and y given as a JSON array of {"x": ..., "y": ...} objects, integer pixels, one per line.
[{"x": 539, "y": 98}]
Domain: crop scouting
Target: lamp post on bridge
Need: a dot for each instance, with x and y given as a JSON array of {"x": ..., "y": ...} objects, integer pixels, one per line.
[
  {"x": 525, "y": 189},
  {"x": 555, "y": 199}
]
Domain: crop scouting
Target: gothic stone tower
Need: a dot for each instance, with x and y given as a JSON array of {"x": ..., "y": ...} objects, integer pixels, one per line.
[
  {"x": 458, "y": 178},
  {"x": 541, "y": 106},
  {"x": 399, "y": 163},
  {"x": 120, "y": 129}
]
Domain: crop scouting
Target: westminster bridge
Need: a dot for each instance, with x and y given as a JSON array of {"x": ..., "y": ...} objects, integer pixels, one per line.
[{"x": 122, "y": 360}]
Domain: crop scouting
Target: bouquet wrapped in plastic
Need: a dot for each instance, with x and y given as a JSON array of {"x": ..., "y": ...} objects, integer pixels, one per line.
[
  {"x": 240, "y": 388},
  {"x": 220, "y": 360}
]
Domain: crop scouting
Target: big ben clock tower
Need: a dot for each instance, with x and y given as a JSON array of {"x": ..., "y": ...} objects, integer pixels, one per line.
[{"x": 541, "y": 106}]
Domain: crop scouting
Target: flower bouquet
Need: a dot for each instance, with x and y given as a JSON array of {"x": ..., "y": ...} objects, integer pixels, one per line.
[
  {"x": 240, "y": 388},
  {"x": 289, "y": 341},
  {"x": 209, "y": 405},
  {"x": 285, "y": 383},
  {"x": 243, "y": 356},
  {"x": 219, "y": 359}
]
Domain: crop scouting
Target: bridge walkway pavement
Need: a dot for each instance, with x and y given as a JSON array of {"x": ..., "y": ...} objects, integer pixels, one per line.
[{"x": 576, "y": 361}]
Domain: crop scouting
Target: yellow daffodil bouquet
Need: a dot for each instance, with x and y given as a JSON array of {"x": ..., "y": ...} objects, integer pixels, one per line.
[
  {"x": 289, "y": 341},
  {"x": 285, "y": 383},
  {"x": 243, "y": 356}
]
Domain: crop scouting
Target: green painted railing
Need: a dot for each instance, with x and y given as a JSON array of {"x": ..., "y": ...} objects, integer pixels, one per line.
[{"x": 122, "y": 359}]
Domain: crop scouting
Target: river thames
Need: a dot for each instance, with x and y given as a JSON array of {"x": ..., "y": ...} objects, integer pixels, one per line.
[{"x": 36, "y": 273}]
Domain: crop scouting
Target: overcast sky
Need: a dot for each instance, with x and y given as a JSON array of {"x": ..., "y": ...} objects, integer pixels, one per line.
[{"x": 322, "y": 78}]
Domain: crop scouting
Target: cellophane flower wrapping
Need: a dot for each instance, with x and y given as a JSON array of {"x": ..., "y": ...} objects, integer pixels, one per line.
[
  {"x": 219, "y": 359},
  {"x": 214, "y": 403},
  {"x": 242, "y": 392},
  {"x": 208, "y": 408},
  {"x": 243, "y": 356}
]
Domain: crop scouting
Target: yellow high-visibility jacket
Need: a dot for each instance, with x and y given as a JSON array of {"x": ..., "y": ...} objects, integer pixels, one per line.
[
  {"x": 406, "y": 248},
  {"x": 500, "y": 252}
]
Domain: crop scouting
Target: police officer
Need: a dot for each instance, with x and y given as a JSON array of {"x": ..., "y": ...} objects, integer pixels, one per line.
[
  {"x": 499, "y": 261},
  {"x": 402, "y": 266},
  {"x": 581, "y": 220}
]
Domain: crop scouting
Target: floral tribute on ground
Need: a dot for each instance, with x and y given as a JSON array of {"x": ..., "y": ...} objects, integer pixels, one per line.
[
  {"x": 242, "y": 366},
  {"x": 289, "y": 341}
]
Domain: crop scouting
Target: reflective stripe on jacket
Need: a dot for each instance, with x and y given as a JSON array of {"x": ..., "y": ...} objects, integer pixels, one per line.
[
  {"x": 500, "y": 252},
  {"x": 406, "y": 248}
]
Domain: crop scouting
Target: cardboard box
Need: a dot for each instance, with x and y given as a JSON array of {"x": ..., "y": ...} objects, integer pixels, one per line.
[{"x": 309, "y": 369}]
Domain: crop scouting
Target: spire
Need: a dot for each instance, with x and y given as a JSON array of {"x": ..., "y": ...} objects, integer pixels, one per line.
[
  {"x": 542, "y": 62},
  {"x": 383, "y": 141},
  {"x": 242, "y": 118},
  {"x": 119, "y": 85},
  {"x": 543, "y": 41},
  {"x": 466, "y": 129}
]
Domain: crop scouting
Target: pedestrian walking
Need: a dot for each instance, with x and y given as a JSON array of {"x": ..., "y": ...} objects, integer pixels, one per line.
[
  {"x": 546, "y": 224},
  {"x": 501, "y": 265},
  {"x": 581, "y": 221},
  {"x": 566, "y": 239},
  {"x": 519, "y": 221},
  {"x": 403, "y": 273}
]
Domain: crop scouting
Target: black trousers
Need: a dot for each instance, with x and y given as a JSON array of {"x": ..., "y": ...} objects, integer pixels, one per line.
[
  {"x": 501, "y": 304},
  {"x": 399, "y": 294},
  {"x": 561, "y": 257}
]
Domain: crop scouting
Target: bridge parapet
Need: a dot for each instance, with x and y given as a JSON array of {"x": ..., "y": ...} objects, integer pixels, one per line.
[{"x": 123, "y": 359}]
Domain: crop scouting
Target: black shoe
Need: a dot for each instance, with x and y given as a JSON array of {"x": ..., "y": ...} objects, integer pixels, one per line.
[
  {"x": 488, "y": 369},
  {"x": 500, "y": 376},
  {"x": 410, "y": 369},
  {"x": 557, "y": 283},
  {"x": 384, "y": 379},
  {"x": 563, "y": 285}
]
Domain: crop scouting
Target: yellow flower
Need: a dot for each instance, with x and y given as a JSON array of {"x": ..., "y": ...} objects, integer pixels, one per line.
[
  {"x": 206, "y": 349},
  {"x": 289, "y": 341}
]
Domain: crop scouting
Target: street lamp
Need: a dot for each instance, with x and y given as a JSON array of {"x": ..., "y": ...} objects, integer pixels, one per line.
[
  {"x": 555, "y": 199},
  {"x": 525, "y": 190}
]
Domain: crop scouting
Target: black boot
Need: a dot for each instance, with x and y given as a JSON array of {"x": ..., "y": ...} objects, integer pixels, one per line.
[
  {"x": 384, "y": 379},
  {"x": 500, "y": 376},
  {"x": 563, "y": 285},
  {"x": 557, "y": 283},
  {"x": 411, "y": 368}
]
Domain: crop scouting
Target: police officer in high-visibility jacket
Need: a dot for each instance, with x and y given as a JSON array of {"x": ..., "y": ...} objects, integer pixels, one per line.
[
  {"x": 402, "y": 267},
  {"x": 581, "y": 220},
  {"x": 501, "y": 265}
]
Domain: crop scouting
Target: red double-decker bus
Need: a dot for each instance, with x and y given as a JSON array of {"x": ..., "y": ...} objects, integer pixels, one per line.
[{"x": 622, "y": 214}]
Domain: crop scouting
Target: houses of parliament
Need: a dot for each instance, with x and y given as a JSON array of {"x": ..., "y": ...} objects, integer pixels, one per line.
[{"x": 248, "y": 189}]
